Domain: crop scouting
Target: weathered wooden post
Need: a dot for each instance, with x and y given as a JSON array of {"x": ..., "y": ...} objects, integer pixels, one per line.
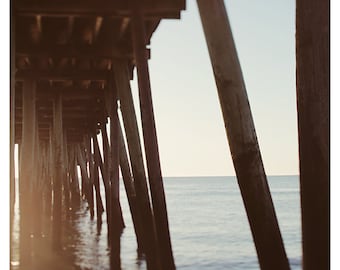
[
  {"x": 75, "y": 192},
  {"x": 150, "y": 140},
  {"x": 242, "y": 136},
  {"x": 26, "y": 171},
  {"x": 137, "y": 165},
  {"x": 116, "y": 217},
  {"x": 47, "y": 178},
  {"x": 313, "y": 98},
  {"x": 104, "y": 172},
  {"x": 58, "y": 169},
  {"x": 84, "y": 175},
  {"x": 65, "y": 177},
  {"x": 83, "y": 180},
  {"x": 37, "y": 184},
  {"x": 50, "y": 166},
  {"x": 89, "y": 161},
  {"x": 130, "y": 191},
  {"x": 99, "y": 203},
  {"x": 12, "y": 122}
]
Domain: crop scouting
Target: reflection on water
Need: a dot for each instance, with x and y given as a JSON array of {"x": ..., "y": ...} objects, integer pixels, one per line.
[
  {"x": 84, "y": 243},
  {"x": 208, "y": 226}
]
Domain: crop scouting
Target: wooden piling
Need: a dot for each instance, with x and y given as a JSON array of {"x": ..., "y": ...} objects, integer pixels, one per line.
[
  {"x": 137, "y": 164},
  {"x": 89, "y": 161},
  {"x": 112, "y": 108},
  {"x": 116, "y": 217},
  {"x": 12, "y": 121},
  {"x": 66, "y": 176},
  {"x": 37, "y": 186},
  {"x": 313, "y": 104},
  {"x": 130, "y": 192},
  {"x": 47, "y": 178},
  {"x": 104, "y": 172},
  {"x": 150, "y": 140},
  {"x": 26, "y": 169},
  {"x": 84, "y": 175},
  {"x": 50, "y": 171},
  {"x": 99, "y": 203},
  {"x": 58, "y": 169},
  {"x": 242, "y": 136},
  {"x": 75, "y": 191},
  {"x": 106, "y": 151}
]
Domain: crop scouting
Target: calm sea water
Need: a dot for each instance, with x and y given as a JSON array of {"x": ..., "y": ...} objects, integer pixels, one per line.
[{"x": 208, "y": 227}]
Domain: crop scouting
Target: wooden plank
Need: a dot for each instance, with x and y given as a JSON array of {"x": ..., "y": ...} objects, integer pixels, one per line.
[
  {"x": 150, "y": 142},
  {"x": 241, "y": 134},
  {"x": 313, "y": 104},
  {"x": 137, "y": 164}
]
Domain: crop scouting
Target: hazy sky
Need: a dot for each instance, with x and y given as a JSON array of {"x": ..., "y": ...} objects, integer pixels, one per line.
[{"x": 190, "y": 128}]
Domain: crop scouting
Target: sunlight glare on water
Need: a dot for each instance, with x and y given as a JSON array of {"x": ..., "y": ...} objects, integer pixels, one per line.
[{"x": 208, "y": 226}]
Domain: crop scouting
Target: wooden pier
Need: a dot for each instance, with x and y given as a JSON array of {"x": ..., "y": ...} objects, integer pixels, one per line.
[{"x": 71, "y": 66}]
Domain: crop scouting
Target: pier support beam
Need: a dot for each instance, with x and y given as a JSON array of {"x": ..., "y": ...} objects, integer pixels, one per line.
[
  {"x": 50, "y": 172},
  {"x": 242, "y": 136},
  {"x": 26, "y": 172},
  {"x": 58, "y": 169},
  {"x": 65, "y": 177},
  {"x": 116, "y": 223},
  {"x": 150, "y": 140},
  {"x": 74, "y": 184},
  {"x": 89, "y": 172},
  {"x": 104, "y": 169},
  {"x": 313, "y": 98},
  {"x": 37, "y": 187},
  {"x": 84, "y": 175},
  {"x": 12, "y": 122},
  {"x": 130, "y": 190},
  {"x": 137, "y": 164},
  {"x": 99, "y": 202}
]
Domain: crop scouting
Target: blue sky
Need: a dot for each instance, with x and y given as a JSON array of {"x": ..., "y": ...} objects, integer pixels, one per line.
[{"x": 190, "y": 128}]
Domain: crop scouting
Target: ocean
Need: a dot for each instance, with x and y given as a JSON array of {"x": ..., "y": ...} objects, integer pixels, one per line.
[{"x": 208, "y": 227}]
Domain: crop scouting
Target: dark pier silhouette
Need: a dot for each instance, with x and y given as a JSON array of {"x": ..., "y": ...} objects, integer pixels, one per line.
[{"x": 71, "y": 66}]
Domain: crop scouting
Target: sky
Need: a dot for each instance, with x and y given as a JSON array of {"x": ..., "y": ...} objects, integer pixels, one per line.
[{"x": 190, "y": 128}]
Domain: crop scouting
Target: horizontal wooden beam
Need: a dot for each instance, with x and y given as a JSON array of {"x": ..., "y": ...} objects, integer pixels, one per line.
[
  {"x": 69, "y": 96},
  {"x": 71, "y": 116},
  {"x": 62, "y": 75},
  {"x": 75, "y": 97},
  {"x": 70, "y": 51},
  {"x": 121, "y": 8}
]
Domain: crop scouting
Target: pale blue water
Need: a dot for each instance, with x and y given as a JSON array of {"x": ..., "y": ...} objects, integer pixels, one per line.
[{"x": 208, "y": 227}]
